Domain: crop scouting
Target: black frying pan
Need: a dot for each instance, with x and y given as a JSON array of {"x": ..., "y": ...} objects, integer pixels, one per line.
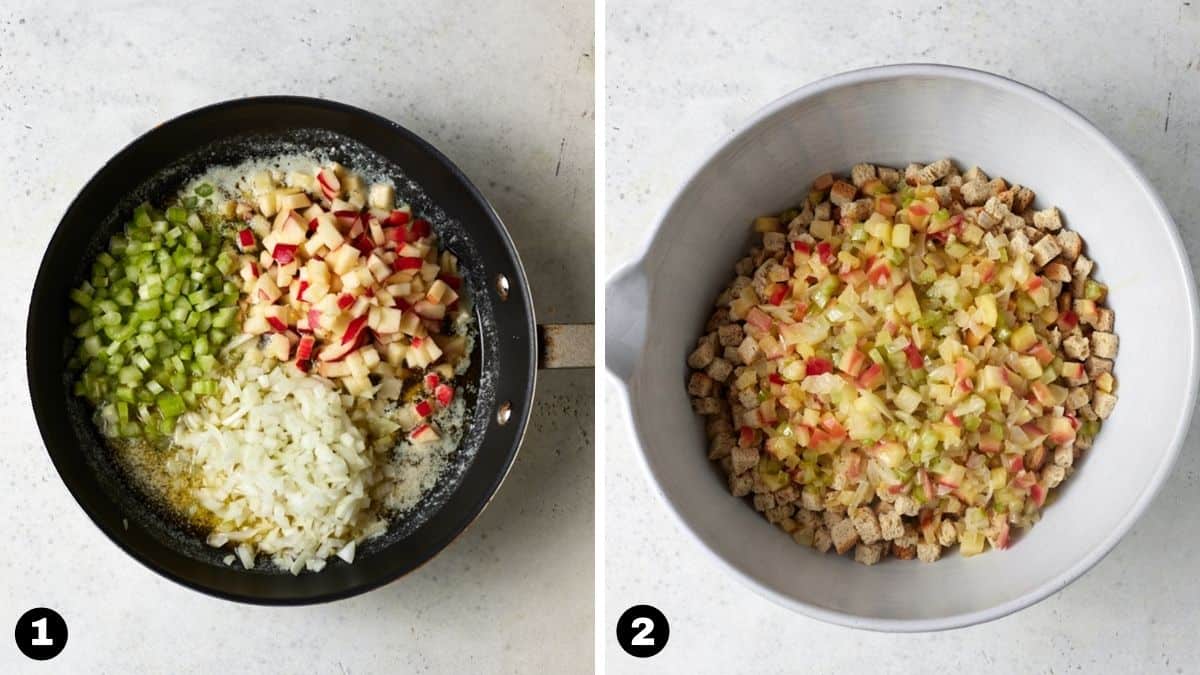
[{"x": 501, "y": 382}]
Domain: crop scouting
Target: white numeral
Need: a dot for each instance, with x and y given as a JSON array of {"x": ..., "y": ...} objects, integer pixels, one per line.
[
  {"x": 41, "y": 640},
  {"x": 642, "y": 639}
]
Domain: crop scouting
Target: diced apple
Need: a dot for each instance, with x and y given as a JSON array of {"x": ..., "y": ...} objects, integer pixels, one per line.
[
  {"x": 382, "y": 196},
  {"x": 293, "y": 200},
  {"x": 342, "y": 259},
  {"x": 265, "y": 290},
  {"x": 429, "y": 310},
  {"x": 330, "y": 184},
  {"x": 423, "y": 434},
  {"x": 278, "y": 347}
]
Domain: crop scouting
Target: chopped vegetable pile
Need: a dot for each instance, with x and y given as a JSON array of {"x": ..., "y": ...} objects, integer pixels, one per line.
[
  {"x": 284, "y": 348},
  {"x": 909, "y": 361}
]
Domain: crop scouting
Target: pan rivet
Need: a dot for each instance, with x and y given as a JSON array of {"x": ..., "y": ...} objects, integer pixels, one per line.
[
  {"x": 504, "y": 413},
  {"x": 502, "y": 286}
]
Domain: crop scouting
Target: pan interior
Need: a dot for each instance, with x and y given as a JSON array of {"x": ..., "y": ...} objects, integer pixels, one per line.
[{"x": 143, "y": 511}]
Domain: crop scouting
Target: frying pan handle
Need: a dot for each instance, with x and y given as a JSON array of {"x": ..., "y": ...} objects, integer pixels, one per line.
[
  {"x": 626, "y": 301},
  {"x": 566, "y": 345}
]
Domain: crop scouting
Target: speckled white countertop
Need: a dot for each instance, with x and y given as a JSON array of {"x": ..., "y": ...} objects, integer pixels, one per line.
[
  {"x": 505, "y": 90},
  {"x": 679, "y": 79}
]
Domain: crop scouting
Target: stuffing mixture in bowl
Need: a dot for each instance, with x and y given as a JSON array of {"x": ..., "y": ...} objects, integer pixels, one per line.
[
  {"x": 274, "y": 354},
  {"x": 908, "y": 361}
]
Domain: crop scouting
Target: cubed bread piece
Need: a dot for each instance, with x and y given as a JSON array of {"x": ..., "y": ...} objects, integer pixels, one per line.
[
  {"x": 703, "y": 355},
  {"x": 859, "y": 209},
  {"x": 997, "y": 185},
  {"x": 928, "y": 551},
  {"x": 910, "y": 174},
  {"x": 706, "y": 406},
  {"x": 868, "y": 554},
  {"x": 1103, "y": 404},
  {"x": 831, "y": 516},
  {"x": 823, "y": 182},
  {"x": 1064, "y": 456},
  {"x": 719, "y": 370},
  {"x": 867, "y": 525},
  {"x": 700, "y": 385},
  {"x": 1045, "y": 250},
  {"x": 1049, "y": 220},
  {"x": 975, "y": 174},
  {"x": 889, "y": 176},
  {"x": 842, "y": 193},
  {"x": 1105, "y": 319},
  {"x": 901, "y": 552},
  {"x": 822, "y": 541},
  {"x": 787, "y": 494},
  {"x": 947, "y": 534},
  {"x": 730, "y": 335},
  {"x": 1053, "y": 475},
  {"x": 1022, "y": 200},
  {"x": 844, "y": 535},
  {"x": 1104, "y": 344},
  {"x": 934, "y": 172},
  {"x": 718, "y": 425},
  {"x": 1076, "y": 347},
  {"x": 890, "y": 525},
  {"x": 823, "y": 211},
  {"x": 774, "y": 242},
  {"x": 1096, "y": 365},
  {"x": 720, "y": 446},
  {"x": 740, "y": 484},
  {"x": 744, "y": 459},
  {"x": 748, "y": 351},
  {"x": 861, "y": 173},
  {"x": 975, "y": 192},
  {"x": 779, "y": 513},
  {"x": 1056, "y": 271},
  {"x": 1070, "y": 243},
  {"x": 907, "y": 506},
  {"x": 764, "y": 501}
]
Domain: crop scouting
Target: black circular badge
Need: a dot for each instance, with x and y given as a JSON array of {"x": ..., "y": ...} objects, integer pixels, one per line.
[
  {"x": 41, "y": 633},
  {"x": 642, "y": 631}
]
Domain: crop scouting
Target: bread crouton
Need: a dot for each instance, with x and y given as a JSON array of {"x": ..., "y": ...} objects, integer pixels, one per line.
[
  {"x": 861, "y": 173},
  {"x": 779, "y": 513},
  {"x": 822, "y": 211},
  {"x": 997, "y": 185},
  {"x": 1049, "y": 220},
  {"x": 1104, "y": 344},
  {"x": 1056, "y": 271},
  {"x": 867, "y": 525},
  {"x": 902, "y": 552},
  {"x": 774, "y": 242},
  {"x": 1045, "y": 250},
  {"x": 844, "y": 535},
  {"x": 889, "y": 176},
  {"x": 907, "y": 506},
  {"x": 859, "y": 209},
  {"x": 1096, "y": 365},
  {"x": 1105, "y": 319},
  {"x": 1064, "y": 456},
  {"x": 719, "y": 369},
  {"x": 947, "y": 534},
  {"x": 706, "y": 406},
  {"x": 928, "y": 551},
  {"x": 1103, "y": 403},
  {"x": 910, "y": 174},
  {"x": 1076, "y": 347},
  {"x": 1070, "y": 243},
  {"x": 823, "y": 182},
  {"x": 1022, "y": 200},
  {"x": 744, "y": 459},
  {"x": 975, "y": 192},
  {"x": 700, "y": 385},
  {"x": 868, "y": 554},
  {"x": 890, "y": 525},
  {"x": 811, "y": 500},
  {"x": 822, "y": 541},
  {"x": 842, "y": 193},
  {"x": 975, "y": 174},
  {"x": 748, "y": 351},
  {"x": 763, "y": 502},
  {"x": 730, "y": 335},
  {"x": 1053, "y": 475},
  {"x": 720, "y": 446},
  {"x": 740, "y": 484},
  {"x": 934, "y": 172},
  {"x": 703, "y": 355}
]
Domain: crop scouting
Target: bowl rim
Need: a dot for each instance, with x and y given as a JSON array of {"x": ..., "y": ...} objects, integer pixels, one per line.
[{"x": 1151, "y": 489}]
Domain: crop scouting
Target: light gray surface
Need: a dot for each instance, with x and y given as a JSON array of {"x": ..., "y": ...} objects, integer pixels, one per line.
[
  {"x": 1133, "y": 612},
  {"x": 504, "y": 89}
]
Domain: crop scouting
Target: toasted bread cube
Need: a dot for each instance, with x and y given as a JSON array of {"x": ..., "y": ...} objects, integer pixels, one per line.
[
  {"x": 842, "y": 193},
  {"x": 1048, "y": 220},
  {"x": 928, "y": 551},
  {"x": 822, "y": 541},
  {"x": 739, "y": 484},
  {"x": 1103, "y": 404},
  {"x": 705, "y": 406},
  {"x": 823, "y": 182},
  {"x": 743, "y": 458},
  {"x": 934, "y": 172},
  {"x": 1096, "y": 365},
  {"x": 844, "y": 535},
  {"x": 861, "y": 173},
  {"x": 889, "y": 176},
  {"x": 1078, "y": 397},
  {"x": 1105, "y": 318},
  {"x": 1104, "y": 344},
  {"x": 703, "y": 355},
  {"x": 975, "y": 192},
  {"x": 719, "y": 370},
  {"x": 1045, "y": 250},
  {"x": 1076, "y": 347},
  {"x": 975, "y": 173},
  {"x": 867, "y": 525},
  {"x": 868, "y": 554},
  {"x": 1053, "y": 475},
  {"x": 700, "y": 385},
  {"x": 721, "y": 446},
  {"x": 1070, "y": 243},
  {"x": 890, "y": 525}
]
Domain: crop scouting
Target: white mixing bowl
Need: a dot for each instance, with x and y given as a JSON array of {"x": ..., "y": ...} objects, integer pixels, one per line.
[{"x": 892, "y": 115}]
